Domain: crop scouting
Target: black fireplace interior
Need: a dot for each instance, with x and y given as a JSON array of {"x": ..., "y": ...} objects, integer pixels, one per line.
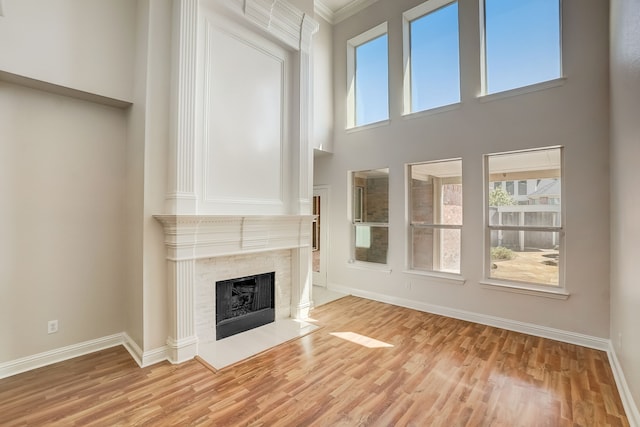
[{"x": 244, "y": 303}]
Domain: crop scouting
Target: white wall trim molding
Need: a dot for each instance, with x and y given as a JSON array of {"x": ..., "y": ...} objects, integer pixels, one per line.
[
  {"x": 28, "y": 363},
  {"x": 49, "y": 87},
  {"x": 181, "y": 197},
  {"x": 279, "y": 18},
  {"x": 154, "y": 356},
  {"x": 351, "y": 9},
  {"x": 630, "y": 407},
  {"x": 144, "y": 358},
  {"x": 483, "y": 319},
  {"x": 133, "y": 348},
  {"x": 324, "y": 11},
  {"x": 190, "y": 237},
  {"x": 50, "y": 357}
]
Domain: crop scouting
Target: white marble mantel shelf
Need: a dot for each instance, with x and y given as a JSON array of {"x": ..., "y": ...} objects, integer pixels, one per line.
[{"x": 207, "y": 236}]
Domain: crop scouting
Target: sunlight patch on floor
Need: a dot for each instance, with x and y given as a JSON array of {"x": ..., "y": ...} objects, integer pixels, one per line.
[{"x": 361, "y": 340}]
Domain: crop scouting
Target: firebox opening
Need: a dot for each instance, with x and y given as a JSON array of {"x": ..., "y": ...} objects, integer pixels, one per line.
[{"x": 244, "y": 303}]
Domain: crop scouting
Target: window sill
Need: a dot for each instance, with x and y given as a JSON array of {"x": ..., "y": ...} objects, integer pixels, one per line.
[
  {"x": 449, "y": 278},
  {"x": 368, "y": 126},
  {"x": 522, "y": 90},
  {"x": 371, "y": 266},
  {"x": 432, "y": 111},
  {"x": 525, "y": 289}
]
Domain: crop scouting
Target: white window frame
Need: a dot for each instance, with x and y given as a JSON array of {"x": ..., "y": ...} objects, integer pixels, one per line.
[
  {"x": 488, "y": 96},
  {"x": 408, "y": 17},
  {"x": 454, "y": 277},
  {"x": 537, "y": 289},
  {"x": 352, "y": 45}
]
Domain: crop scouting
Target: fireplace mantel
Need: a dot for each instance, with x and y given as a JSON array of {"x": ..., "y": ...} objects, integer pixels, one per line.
[{"x": 207, "y": 236}]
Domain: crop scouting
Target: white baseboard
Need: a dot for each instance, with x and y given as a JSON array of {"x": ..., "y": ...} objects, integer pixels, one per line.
[
  {"x": 157, "y": 355},
  {"x": 142, "y": 358},
  {"x": 39, "y": 360},
  {"x": 133, "y": 348},
  {"x": 630, "y": 407},
  {"x": 483, "y": 319}
]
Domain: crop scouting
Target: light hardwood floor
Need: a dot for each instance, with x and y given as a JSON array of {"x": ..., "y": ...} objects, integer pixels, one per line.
[{"x": 433, "y": 371}]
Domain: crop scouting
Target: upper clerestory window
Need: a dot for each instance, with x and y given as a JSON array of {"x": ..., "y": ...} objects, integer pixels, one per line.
[
  {"x": 431, "y": 56},
  {"x": 368, "y": 77},
  {"x": 522, "y": 43}
]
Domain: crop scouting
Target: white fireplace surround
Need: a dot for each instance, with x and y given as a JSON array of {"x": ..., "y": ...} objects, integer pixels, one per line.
[
  {"x": 239, "y": 166},
  {"x": 193, "y": 238}
]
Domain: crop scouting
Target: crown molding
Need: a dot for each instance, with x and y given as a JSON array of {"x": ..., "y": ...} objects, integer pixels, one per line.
[
  {"x": 351, "y": 9},
  {"x": 334, "y": 17},
  {"x": 323, "y": 11}
]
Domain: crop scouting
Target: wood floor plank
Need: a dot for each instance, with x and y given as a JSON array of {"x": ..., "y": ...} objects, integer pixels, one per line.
[{"x": 434, "y": 371}]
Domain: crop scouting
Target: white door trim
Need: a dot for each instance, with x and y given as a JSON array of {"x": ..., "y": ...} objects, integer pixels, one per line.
[{"x": 320, "y": 278}]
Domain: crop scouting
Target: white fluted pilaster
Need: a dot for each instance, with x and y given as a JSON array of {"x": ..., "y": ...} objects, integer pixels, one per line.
[
  {"x": 305, "y": 153},
  {"x": 181, "y": 197},
  {"x": 182, "y": 340}
]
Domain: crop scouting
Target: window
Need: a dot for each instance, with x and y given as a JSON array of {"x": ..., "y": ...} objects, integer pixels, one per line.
[
  {"x": 522, "y": 188},
  {"x": 370, "y": 215},
  {"x": 525, "y": 240},
  {"x": 431, "y": 56},
  {"x": 368, "y": 77},
  {"x": 522, "y": 42},
  {"x": 510, "y": 188},
  {"x": 435, "y": 215}
]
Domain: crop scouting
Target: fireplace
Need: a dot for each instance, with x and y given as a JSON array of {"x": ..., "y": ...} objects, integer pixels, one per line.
[
  {"x": 244, "y": 303},
  {"x": 204, "y": 250}
]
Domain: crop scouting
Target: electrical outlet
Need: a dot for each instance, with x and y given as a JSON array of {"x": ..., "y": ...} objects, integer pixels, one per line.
[{"x": 52, "y": 326}]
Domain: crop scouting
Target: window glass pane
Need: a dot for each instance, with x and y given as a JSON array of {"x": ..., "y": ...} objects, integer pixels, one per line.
[
  {"x": 436, "y": 249},
  {"x": 371, "y": 81},
  {"x": 436, "y": 193},
  {"x": 371, "y": 215},
  {"x": 525, "y": 256},
  {"x": 435, "y": 62},
  {"x": 520, "y": 254},
  {"x": 522, "y": 187},
  {"x": 371, "y": 243},
  {"x": 522, "y": 42},
  {"x": 436, "y": 200},
  {"x": 510, "y": 187},
  {"x": 540, "y": 204},
  {"x": 371, "y": 196}
]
